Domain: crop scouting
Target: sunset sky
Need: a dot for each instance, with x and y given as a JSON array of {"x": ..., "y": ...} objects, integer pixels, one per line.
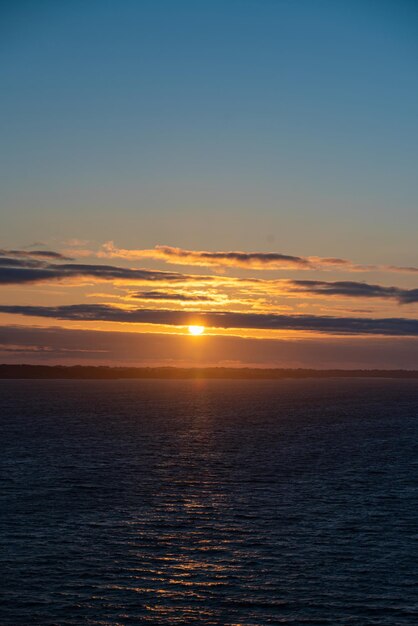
[{"x": 248, "y": 166}]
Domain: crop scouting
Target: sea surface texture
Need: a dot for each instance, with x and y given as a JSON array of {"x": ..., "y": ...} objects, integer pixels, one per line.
[{"x": 209, "y": 502}]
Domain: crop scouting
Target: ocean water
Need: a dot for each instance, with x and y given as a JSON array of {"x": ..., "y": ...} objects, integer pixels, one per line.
[{"x": 209, "y": 502}]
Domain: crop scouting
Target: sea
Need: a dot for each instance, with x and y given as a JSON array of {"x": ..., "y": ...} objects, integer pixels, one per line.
[{"x": 227, "y": 502}]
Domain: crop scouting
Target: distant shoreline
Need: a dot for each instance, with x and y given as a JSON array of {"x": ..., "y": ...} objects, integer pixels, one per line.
[{"x": 86, "y": 372}]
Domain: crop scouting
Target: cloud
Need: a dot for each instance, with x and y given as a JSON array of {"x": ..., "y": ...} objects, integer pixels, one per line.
[
  {"x": 228, "y": 319},
  {"x": 169, "y": 296},
  {"x": 34, "y": 254},
  {"x": 32, "y": 267},
  {"x": 253, "y": 260},
  {"x": 28, "y": 270},
  {"x": 354, "y": 289},
  {"x": 202, "y": 258},
  {"x": 244, "y": 260}
]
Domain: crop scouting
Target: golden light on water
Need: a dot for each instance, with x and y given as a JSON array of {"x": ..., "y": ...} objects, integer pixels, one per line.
[{"x": 196, "y": 330}]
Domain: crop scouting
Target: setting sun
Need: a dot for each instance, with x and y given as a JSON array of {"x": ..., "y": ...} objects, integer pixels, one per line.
[{"x": 196, "y": 330}]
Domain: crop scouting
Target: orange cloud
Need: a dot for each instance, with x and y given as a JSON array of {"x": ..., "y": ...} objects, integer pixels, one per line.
[{"x": 243, "y": 260}]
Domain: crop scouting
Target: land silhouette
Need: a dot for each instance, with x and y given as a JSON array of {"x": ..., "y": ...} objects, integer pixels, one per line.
[{"x": 177, "y": 373}]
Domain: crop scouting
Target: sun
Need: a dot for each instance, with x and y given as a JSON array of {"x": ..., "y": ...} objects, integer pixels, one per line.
[{"x": 196, "y": 330}]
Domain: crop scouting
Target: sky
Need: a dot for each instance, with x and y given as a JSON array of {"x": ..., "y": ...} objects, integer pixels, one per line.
[{"x": 244, "y": 165}]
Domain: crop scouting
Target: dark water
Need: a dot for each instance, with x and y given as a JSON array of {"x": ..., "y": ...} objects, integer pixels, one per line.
[{"x": 212, "y": 502}]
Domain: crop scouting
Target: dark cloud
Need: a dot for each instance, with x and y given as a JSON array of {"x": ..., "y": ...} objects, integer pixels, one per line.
[
  {"x": 35, "y": 254},
  {"x": 354, "y": 289},
  {"x": 409, "y": 296},
  {"x": 27, "y": 270},
  {"x": 325, "y": 324},
  {"x": 234, "y": 258},
  {"x": 16, "y": 263},
  {"x": 179, "y": 297}
]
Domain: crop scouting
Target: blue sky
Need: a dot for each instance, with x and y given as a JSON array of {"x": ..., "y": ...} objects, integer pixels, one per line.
[{"x": 224, "y": 112}]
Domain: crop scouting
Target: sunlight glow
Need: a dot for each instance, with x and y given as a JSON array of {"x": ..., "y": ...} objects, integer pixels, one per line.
[{"x": 196, "y": 330}]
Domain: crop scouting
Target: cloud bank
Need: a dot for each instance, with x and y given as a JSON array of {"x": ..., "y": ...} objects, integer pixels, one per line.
[
  {"x": 52, "y": 345},
  {"x": 217, "y": 319},
  {"x": 23, "y": 267}
]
